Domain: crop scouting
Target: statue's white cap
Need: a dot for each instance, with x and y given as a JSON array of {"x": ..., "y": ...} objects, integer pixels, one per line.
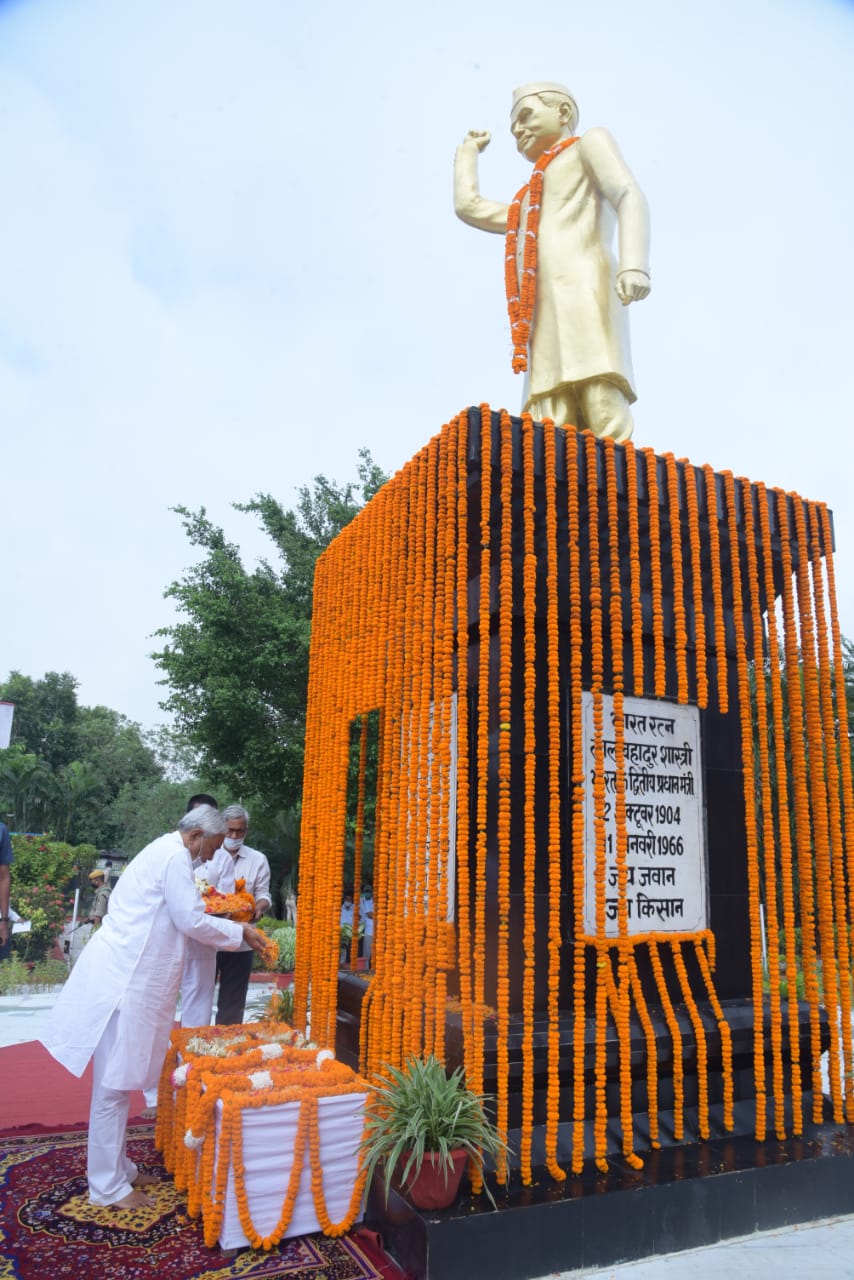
[{"x": 543, "y": 86}]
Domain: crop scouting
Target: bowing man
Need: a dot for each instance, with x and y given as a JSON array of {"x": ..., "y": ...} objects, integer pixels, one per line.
[{"x": 118, "y": 1004}]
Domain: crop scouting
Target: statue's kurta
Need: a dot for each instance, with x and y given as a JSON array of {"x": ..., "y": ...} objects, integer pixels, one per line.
[
  {"x": 580, "y": 328},
  {"x": 579, "y": 366}
]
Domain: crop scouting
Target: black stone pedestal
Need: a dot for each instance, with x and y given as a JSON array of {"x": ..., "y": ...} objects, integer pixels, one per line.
[{"x": 684, "y": 1197}]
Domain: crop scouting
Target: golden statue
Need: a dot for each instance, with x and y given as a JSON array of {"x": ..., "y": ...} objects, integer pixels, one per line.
[{"x": 566, "y": 293}]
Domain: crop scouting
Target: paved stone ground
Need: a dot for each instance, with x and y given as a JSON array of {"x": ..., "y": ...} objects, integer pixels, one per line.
[{"x": 816, "y": 1251}]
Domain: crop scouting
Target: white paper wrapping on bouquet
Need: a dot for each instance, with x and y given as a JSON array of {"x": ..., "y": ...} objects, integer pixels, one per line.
[{"x": 269, "y": 1134}]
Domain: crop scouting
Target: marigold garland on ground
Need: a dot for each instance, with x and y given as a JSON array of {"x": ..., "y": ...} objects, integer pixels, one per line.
[{"x": 200, "y": 1153}]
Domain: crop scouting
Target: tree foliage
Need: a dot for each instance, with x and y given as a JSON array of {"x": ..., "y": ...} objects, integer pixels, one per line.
[
  {"x": 66, "y": 764},
  {"x": 45, "y": 873},
  {"x": 236, "y": 663}
]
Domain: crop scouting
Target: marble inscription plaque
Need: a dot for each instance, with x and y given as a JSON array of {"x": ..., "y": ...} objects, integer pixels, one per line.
[{"x": 665, "y": 836}]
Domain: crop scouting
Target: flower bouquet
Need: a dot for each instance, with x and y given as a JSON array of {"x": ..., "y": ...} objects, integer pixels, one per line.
[{"x": 239, "y": 906}]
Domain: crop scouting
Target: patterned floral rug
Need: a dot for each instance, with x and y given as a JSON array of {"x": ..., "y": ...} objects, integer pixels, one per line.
[{"x": 49, "y": 1231}]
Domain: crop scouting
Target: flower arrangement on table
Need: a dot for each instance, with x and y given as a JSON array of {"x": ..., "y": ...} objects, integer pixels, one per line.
[
  {"x": 197, "y": 1048},
  {"x": 217, "y": 1078}
]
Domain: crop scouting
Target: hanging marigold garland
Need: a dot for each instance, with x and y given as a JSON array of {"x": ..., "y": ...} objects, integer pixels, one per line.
[
  {"x": 573, "y": 486},
  {"x": 655, "y": 572},
  {"x": 521, "y": 294},
  {"x": 680, "y": 632},
  {"x": 834, "y": 861},
  {"x": 694, "y": 545},
  {"x": 622, "y": 1009},
  {"x": 744, "y": 709},
  {"x": 769, "y": 841},
  {"x": 799, "y": 775},
  {"x": 529, "y": 587},
  {"x": 378, "y": 604},
  {"x": 846, "y": 864},
  {"x": 676, "y": 1037},
  {"x": 699, "y": 1037},
  {"x": 603, "y": 957},
  {"x": 554, "y": 790},
  {"x": 651, "y": 1049},
  {"x": 704, "y": 952},
  {"x": 407, "y": 602},
  {"x": 818, "y": 795},
  {"x": 484, "y": 628},
  {"x": 505, "y": 688},
  {"x": 634, "y": 568},
  {"x": 419, "y": 747},
  {"x": 359, "y": 842},
  {"x": 717, "y": 587},
  {"x": 443, "y": 950},
  {"x": 783, "y": 827},
  {"x": 464, "y": 890}
]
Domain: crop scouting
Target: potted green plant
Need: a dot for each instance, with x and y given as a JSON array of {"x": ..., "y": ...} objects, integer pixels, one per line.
[{"x": 422, "y": 1128}]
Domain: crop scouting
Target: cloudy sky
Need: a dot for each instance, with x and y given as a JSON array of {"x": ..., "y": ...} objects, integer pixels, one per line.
[{"x": 229, "y": 259}]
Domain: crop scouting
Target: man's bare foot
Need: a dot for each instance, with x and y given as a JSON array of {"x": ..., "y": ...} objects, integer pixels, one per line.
[
  {"x": 145, "y": 1180},
  {"x": 133, "y": 1200}
]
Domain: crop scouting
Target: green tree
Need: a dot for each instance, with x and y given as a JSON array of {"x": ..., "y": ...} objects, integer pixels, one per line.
[
  {"x": 236, "y": 663},
  {"x": 67, "y": 764},
  {"x": 45, "y": 873},
  {"x": 46, "y": 710},
  {"x": 848, "y": 666},
  {"x": 77, "y": 788},
  {"x": 26, "y": 788},
  {"x": 115, "y": 749},
  {"x": 144, "y": 810}
]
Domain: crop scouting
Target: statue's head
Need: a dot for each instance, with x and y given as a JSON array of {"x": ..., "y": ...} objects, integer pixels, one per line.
[{"x": 541, "y": 115}]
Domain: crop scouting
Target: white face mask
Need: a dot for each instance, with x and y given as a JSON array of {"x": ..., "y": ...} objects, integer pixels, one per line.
[{"x": 233, "y": 843}]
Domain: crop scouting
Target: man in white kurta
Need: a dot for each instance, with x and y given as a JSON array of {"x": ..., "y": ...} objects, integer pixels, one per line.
[
  {"x": 118, "y": 1004},
  {"x": 199, "y": 977},
  {"x": 579, "y": 361}
]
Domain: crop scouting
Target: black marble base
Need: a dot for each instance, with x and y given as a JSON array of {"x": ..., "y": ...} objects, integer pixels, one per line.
[{"x": 683, "y": 1198}]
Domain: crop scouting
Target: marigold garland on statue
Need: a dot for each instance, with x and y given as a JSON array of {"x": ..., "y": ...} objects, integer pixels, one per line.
[{"x": 521, "y": 295}]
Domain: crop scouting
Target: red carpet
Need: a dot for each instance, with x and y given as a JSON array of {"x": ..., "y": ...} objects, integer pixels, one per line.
[
  {"x": 38, "y": 1093},
  {"x": 49, "y": 1231}
]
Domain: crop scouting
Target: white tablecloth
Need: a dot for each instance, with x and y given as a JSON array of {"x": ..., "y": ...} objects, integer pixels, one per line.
[{"x": 269, "y": 1134}]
